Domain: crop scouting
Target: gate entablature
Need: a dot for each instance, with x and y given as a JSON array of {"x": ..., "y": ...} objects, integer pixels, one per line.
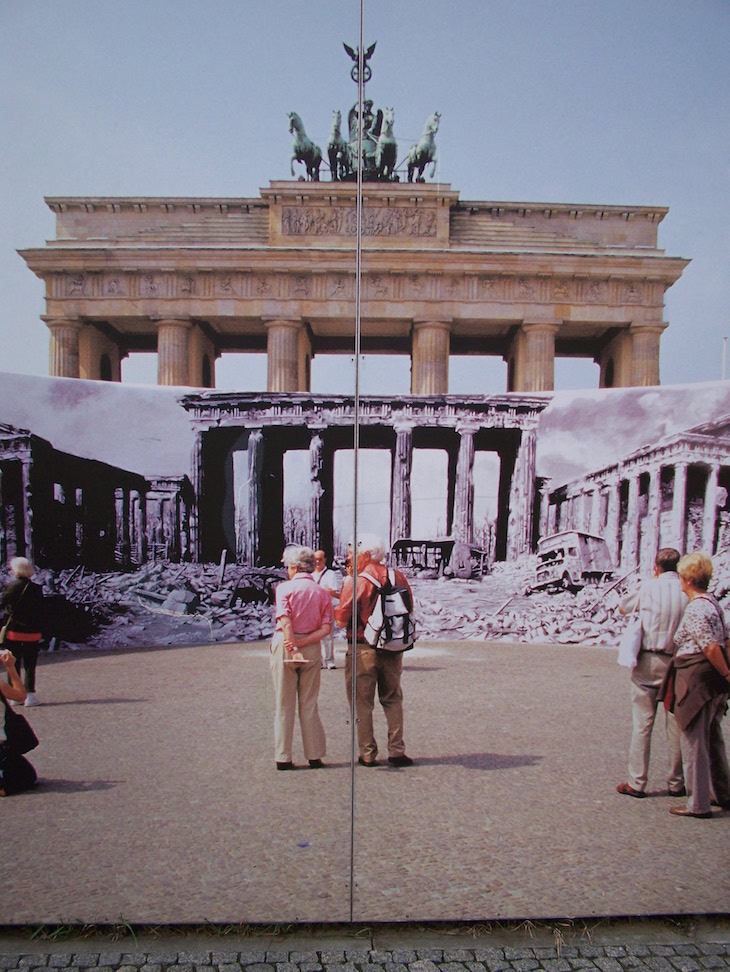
[
  {"x": 264, "y": 426},
  {"x": 194, "y": 278}
]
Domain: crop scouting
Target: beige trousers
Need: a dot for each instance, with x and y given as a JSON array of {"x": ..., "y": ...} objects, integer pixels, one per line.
[
  {"x": 296, "y": 685},
  {"x": 646, "y": 679}
]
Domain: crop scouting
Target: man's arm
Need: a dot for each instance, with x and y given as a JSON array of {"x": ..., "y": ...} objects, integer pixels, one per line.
[
  {"x": 343, "y": 611},
  {"x": 16, "y": 690}
]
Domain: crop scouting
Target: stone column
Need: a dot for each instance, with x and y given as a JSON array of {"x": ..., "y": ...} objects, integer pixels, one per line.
[
  {"x": 172, "y": 352},
  {"x": 64, "y": 347},
  {"x": 544, "y": 526},
  {"x": 535, "y": 357},
  {"x": 679, "y": 506},
  {"x": 25, "y": 468},
  {"x": 653, "y": 518},
  {"x": 595, "y": 524},
  {"x": 3, "y": 534},
  {"x": 709, "y": 518},
  {"x": 612, "y": 521},
  {"x": 314, "y": 528},
  {"x": 521, "y": 497},
  {"x": 400, "y": 511},
  {"x": 645, "y": 353},
  {"x": 255, "y": 450},
  {"x": 283, "y": 349},
  {"x": 630, "y": 552},
  {"x": 430, "y": 358},
  {"x": 462, "y": 527},
  {"x": 121, "y": 509}
]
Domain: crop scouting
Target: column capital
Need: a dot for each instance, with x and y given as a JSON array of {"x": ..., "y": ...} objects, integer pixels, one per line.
[
  {"x": 269, "y": 322},
  {"x": 420, "y": 323},
  {"x": 172, "y": 321},
  {"x": 74, "y": 323}
]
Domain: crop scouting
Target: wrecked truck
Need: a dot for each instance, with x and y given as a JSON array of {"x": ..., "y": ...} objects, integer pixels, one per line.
[
  {"x": 444, "y": 557},
  {"x": 570, "y": 560}
]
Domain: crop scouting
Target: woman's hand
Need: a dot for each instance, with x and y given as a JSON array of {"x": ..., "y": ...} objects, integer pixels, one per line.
[{"x": 7, "y": 658}]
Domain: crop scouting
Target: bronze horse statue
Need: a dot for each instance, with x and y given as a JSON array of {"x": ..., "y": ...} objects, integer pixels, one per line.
[
  {"x": 303, "y": 149},
  {"x": 425, "y": 151},
  {"x": 337, "y": 150},
  {"x": 386, "y": 148}
]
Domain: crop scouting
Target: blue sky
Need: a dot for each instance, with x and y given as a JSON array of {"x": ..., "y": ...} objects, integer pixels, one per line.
[{"x": 563, "y": 101}]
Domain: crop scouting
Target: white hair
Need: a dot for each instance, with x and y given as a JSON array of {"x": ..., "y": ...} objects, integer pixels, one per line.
[
  {"x": 300, "y": 557},
  {"x": 372, "y": 544},
  {"x": 22, "y": 567}
]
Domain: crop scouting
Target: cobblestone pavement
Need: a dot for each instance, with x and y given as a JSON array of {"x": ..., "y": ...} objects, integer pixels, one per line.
[
  {"x": 618, "y": 949},
  {"x": 159, "y": 801}
]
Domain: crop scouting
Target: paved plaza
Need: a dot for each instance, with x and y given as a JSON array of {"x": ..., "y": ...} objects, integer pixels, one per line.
[{"x": 159, "y": 802}]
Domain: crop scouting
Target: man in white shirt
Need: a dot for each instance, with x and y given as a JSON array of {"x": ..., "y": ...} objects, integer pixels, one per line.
[
  {"x": 661, "y": 604},
  {"x": 331, "y": 581}
]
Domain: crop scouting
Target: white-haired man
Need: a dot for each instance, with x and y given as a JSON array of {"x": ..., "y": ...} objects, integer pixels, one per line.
[{"x": 379, "y": 670}]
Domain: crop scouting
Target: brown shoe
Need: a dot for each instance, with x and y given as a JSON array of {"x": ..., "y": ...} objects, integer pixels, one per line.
[
  {"x": 630, "y": 791},
  {"x": 686, "y": 812},
  {"x": 285, "y": 766},
  {"x": 316, "y": 764},
  {"x": 367, "y": 762}
]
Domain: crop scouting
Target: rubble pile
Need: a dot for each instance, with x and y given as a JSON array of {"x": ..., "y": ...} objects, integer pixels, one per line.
[
  {"x": 177, "y": 604},
  {"x": 498, "y": 609},
  {"x": 170, "y": 604}
]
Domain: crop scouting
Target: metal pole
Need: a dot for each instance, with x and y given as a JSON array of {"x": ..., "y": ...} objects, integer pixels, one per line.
[
  {"x": 356, "y": 453},
  {"x": 724, "y": 358}
]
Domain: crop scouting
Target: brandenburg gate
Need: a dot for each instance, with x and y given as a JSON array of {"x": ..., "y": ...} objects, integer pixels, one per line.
[{"x": 193, "y": 278}]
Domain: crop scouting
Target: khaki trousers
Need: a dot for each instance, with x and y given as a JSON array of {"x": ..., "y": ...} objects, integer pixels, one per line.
[
  {"x": 646, "y": 679},
  {"x": 294, "y": 685},
  {"x": 379, "y": 670}
]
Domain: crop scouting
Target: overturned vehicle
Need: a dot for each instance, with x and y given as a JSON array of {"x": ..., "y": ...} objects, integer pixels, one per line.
[{"x": 568, "y": 561}]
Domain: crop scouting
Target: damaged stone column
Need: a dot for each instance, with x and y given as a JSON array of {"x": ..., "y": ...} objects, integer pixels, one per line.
[
  {"x": 612, "y": 520},
  {"x": 121, "y": 511},
  {"x": 400, "y": 512},
  {"x": 463, "y": 523},
  {"x": 653, "y": 517},
  {"x": 314, "y": 527},
  {"x": 521, "y": 497},
  {"x": 709, "y": 517},
  {"x": 630, "y": 551},
  {"x": 679, "y": 507},
  {"x": 25, "y": 468},
  {"x": 255, "y": 455}
]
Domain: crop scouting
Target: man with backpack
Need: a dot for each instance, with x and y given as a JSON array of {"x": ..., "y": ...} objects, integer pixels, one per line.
[{"x": 377, "y": 668}]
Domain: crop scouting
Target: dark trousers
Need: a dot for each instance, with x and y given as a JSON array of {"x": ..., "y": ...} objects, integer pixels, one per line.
[{"x": 26, "y": 654}]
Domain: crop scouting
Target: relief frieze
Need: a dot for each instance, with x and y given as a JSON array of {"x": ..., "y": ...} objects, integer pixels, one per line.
[{"x": 381, "y": 221}]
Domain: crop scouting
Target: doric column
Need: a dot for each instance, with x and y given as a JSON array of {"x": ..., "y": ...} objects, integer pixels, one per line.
[
  {"x": 612, "y": 521},
  {"x": 121, "y": 540},
  {"x": 653, "y": 519},
  {"x": 430, "y": 358},
  {"x": 522, "y": 497},
  {"x": 255, "y": 450},
  {"x": 172, "y": 352},
  {"x": 710, "y": 512},
  {"x": 28, "y": 511},
  {"x": 400, "y": 512},
  {"x": 285, "y": 356},
  {"x": 595, "y": 524},
  {"x": 544, "y": 525},
  {"x": 314, "y": 529},
  {"x": 463, "y": 523},
  {"x": 535, "y": 357},
  {"x": 630, "y": 553},
  {"x": 679, "y": 506},
  {"x": 645, "y": 353},
  {"x": 63, "y": 359}
]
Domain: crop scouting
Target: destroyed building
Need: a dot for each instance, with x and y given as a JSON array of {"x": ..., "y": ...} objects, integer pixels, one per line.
[
  {"x": 674, "y": 492},
  {"x": 61, "y": 510}
]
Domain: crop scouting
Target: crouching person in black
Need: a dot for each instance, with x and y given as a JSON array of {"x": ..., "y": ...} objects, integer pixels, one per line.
[{"x": 16, "y": 773}]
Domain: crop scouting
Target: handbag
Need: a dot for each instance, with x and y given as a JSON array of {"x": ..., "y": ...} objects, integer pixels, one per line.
[
  {"x": 630, "y": 644},
  {"x": 18, "y": 731}
]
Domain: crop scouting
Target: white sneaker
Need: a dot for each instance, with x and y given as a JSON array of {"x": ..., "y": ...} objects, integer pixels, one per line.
[
  {"x": 331, "y": 665},
  {"x": 31, "y": 699}
]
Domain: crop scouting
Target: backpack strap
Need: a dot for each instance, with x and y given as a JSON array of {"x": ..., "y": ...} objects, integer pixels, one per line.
[{"x": 373, "y": 580}]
